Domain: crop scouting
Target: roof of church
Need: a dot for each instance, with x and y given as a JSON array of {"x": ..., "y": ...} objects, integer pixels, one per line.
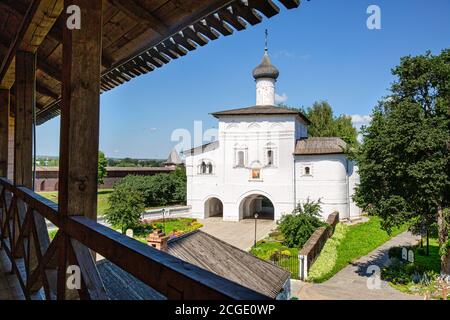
[
  {"x": 260, "y": 110},
  {"x": 320, "y": 145},
  {"x": 200, "y": 149},
  {"x": 174, "y": 158},
  {"x": 225, "y": 260},
  {"x": 266, "y": 69}
]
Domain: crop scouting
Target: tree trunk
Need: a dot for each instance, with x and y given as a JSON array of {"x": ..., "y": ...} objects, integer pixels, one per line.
[
  {"x": 428, "y": 243},
  {"x": 443, "y": 238}
]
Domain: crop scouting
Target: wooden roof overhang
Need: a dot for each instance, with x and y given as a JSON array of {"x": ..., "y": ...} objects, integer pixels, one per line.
[{"x": 139, "y": 36}]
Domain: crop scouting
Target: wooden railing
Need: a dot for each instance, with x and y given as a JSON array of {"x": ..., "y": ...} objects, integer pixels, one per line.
[{"x": 24, "y": 237}]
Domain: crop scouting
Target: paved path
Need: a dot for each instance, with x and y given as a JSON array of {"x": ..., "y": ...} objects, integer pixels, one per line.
[
  {"x": 239, "y": 234},
  {"x": 351, "y": 282}
]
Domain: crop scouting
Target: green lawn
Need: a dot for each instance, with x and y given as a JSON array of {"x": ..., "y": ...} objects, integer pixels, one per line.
[
  {"x": 102, "y": 199},
  {"x": 348, "y": 244}
]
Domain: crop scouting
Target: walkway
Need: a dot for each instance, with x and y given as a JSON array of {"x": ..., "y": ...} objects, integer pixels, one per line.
[
  {"x": 9, "y": 285},
  {"x": 351, "y": 282},
  {"x": 239, "y": 234}
]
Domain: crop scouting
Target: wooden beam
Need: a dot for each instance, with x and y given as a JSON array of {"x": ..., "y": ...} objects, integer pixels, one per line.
[
  {"x": 80, "y": 112},
  {"x": 23, "y": 129},
  {"x": 56, "y": 34},
  {"x": 42, "y": 22},
  {"x": 42, "y": 89},
  {"x": 37, "y": 22},
  {"x": 48, "y": 69},
  {"x": 4, "y": 129},
  {"x": 136, "y": 11}
]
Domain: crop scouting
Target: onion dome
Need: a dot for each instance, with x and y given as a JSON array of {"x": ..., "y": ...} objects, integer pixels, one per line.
[{"x": 266, "y": 69}]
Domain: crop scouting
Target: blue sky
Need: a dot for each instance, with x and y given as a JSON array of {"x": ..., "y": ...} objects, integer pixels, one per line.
[{"x": 324, "y": 51}]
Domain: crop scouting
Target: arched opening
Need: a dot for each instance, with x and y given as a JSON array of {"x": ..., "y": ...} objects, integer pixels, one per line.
[
  {"x": 213, "y": 208},
  {"x": 42, "y": 188},
  {"x": 57, "y": 186},
  {"x": 259, "y": 204}
]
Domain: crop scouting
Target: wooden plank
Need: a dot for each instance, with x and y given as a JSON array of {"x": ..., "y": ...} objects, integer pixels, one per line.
[
  {"x": 231, "y": 19},
  {"x": 4, "y": 129},
  {"x": 79, "y": 142},
  {"x": 45, "y": 17},
  {"x": 136, "y": 11},
  {"x": 161, "y": 271},
  {"x": 38, "y": 20},
  {"x": 267, "y": 7},
  {"x": 290, "y": 4},
  {"x": 23, "y": 131},
  {"x": 89, "y": 272},
  {"x": 247, "y": 13}
]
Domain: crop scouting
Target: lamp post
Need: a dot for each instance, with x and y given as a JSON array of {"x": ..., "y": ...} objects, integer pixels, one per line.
[
  {"x": 164, "y": 219},
  {"x": 256, "y": 219}
]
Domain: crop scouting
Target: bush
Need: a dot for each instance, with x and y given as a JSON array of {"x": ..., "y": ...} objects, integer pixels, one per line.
[
  {"x": 298, "y": 227},
  {"x": 125, "y": 207},
  {"x": 158, "y": 190}
]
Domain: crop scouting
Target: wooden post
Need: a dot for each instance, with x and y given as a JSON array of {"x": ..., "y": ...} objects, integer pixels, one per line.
[
  {"x": 79, "y": 142},
  {"x": 4, "y": 129},
  {"x": 23, "y": 131}
]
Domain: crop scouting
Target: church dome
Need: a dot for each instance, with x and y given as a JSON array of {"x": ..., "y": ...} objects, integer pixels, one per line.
[{"x": 266, "y": 69}]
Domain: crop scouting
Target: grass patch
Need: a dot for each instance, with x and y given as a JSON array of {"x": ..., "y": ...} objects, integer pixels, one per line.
[
  {"x": 348, "y": 245},
  {"x": 102, "y": 199},
  {"x": 327, "y": 259}
]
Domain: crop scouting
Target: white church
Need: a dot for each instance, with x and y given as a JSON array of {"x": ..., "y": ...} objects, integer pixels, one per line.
[{"x": 264, "y": 162}]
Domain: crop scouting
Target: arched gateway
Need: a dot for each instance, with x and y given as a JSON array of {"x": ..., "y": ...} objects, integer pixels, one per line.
[
  {"x": 213, "y": 208},
  {"x": 259, "y": 204}
]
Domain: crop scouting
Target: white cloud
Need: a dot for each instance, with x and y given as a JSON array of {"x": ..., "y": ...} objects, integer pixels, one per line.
[
  {"x": 359, "y": 120},
  {"x": 280, "y": 98},
  {"x": 290, "y": 55}
]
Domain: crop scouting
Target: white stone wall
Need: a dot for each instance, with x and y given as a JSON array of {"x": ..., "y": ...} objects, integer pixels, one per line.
[
  {"x": 328, "y": 181},
  {"x": 265, "y": 92},
  {"x": 232, "y": 184}
]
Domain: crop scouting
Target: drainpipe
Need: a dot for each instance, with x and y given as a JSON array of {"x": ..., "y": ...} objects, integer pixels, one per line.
[
  {"x": 347, "y": 178},
  {"x": 295, "y": 182}
]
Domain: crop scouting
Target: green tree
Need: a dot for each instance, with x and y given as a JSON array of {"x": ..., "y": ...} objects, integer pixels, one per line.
[
  {"x": 298, "y": 226},
  {"x": 404, "y": 162},
  {"x": 125, "y": 207},
  {"x": 102, "y": 164},
  {"x": 325, "y": 124}
]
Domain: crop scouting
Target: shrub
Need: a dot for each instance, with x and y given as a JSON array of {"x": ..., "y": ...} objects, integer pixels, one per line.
[
  {"x": 159, "y": 190},
  {"x": 298, "y": 227},
  {"x": 125, "y": 207}
]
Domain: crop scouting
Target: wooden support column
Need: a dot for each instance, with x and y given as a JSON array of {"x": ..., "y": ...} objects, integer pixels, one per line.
[
  {"x": 4, "y": 129},
  {"x": 82, "y": 50},
  {"x": 23, "y": 132},
  {"x": 79, "y": 142}
]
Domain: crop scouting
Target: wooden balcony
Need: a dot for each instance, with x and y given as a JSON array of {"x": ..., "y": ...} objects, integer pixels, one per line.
[
  {"x": 48, "y": 69},
  {"x": 40, "y": 264}
]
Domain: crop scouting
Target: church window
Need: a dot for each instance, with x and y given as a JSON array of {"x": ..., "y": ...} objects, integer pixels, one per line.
[
  {"x": 241, "y": 159},
  {"x": 270, "y": 158},
  {"x": 210, "y": 168},
  {"x": 203, "y": 167}
]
